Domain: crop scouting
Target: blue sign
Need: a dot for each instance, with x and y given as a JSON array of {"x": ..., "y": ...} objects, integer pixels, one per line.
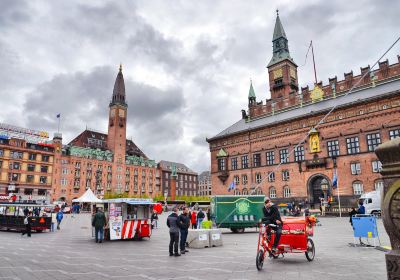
[{"x": 365, "y": 226}]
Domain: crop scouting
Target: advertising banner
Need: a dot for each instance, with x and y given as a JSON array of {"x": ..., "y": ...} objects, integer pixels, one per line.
[{"x": 115, "y": 221}]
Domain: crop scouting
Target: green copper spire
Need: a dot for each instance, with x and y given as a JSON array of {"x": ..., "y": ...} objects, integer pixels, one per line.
[
  {"x": 251, "y": 91},
  {"x": 280, "y": 43},
  {"x": 278, "y": 31}
]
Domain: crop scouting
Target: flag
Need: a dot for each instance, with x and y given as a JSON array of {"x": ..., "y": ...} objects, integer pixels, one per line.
[
  {"x": 232, "y": 186},
  {"x": 334, "y": 180},
  {"x": 58, "y": 115}
]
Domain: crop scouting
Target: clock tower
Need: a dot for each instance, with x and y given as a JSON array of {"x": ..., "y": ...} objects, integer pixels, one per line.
[
  {"x": 116, "y": 140},
  {"x": 282, "y": 69}
]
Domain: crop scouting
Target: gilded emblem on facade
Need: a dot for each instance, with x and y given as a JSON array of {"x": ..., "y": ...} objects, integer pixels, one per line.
[
  {"x": 317, "y": 94},
  {"x": 314, "y": 141}
]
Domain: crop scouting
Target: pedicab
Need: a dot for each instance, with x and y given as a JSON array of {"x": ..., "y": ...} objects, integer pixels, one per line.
[
  {"x": 128, "y": 218},
  {"x": 295, "y": 238}
]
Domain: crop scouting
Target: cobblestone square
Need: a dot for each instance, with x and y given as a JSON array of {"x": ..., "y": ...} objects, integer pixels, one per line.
[{"x": 71, "y": 254}]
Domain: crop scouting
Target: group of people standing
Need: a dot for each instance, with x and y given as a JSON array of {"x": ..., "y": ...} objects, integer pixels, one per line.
[{"x": 179, "y": 228}]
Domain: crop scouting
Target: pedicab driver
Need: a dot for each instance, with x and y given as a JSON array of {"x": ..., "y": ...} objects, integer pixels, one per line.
[{"x": 272, "y": 216}]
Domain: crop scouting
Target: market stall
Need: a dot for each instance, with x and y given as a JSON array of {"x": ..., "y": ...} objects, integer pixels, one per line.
[{"x": 128, "y": 218}]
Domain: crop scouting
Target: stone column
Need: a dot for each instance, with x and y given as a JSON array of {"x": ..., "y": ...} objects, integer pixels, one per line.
[
  {"x": 173, "y": 187},
  {"x": 389, "y": 154}
]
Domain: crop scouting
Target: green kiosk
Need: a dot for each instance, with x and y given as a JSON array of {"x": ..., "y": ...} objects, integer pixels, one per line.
[{"x": 237, "y": 212}]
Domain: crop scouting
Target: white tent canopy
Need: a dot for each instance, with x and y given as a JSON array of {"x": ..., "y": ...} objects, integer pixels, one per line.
[{"x": 88, "y": 197}]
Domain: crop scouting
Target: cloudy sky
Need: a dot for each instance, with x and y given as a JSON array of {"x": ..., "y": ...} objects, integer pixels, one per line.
[{"x": 187, "y": 64}]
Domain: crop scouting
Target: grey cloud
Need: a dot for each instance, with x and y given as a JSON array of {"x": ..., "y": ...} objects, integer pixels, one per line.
[{"x": 13, "y": 12}]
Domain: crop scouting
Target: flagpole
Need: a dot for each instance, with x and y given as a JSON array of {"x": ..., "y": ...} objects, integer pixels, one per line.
[
  {"x": 338, "y": 193},
  {"x": 59, "y": 120}
]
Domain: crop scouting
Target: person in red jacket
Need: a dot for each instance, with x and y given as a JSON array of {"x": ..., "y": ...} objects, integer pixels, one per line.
[{"x": 193, "y": 220}]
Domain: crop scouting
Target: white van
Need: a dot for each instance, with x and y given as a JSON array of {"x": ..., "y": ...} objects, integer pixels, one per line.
[{"x": 372, "y": 202}]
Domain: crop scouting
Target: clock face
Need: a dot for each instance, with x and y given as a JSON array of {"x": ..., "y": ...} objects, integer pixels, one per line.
[
  {"x": 278, "y": 73},
  {"x": 292, "y": 73},
  {"x": 121, "y": 113},
  {"x": 112, "y": 113}
]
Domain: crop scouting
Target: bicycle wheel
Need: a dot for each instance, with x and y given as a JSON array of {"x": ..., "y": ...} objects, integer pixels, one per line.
[
  {"x": 310, "y": 253},
  {"x": 260, "y": 259}
]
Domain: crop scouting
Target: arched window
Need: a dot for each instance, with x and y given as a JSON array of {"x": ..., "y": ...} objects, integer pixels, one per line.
[
  {"x": 236, "y": 192},
  {"x": 236, "y": 180},
  {"x": 244, "y": 179},
  {"x": 272, "y": 192},
  {"x": 378, "y": 185},
  {"x": 258, "y": 178},
  {"x": 258, "y": 191},
  {"x": 286, "y": 192},
  {"x": 245, "y": 191},
  {"x": 358, "y": 188}
]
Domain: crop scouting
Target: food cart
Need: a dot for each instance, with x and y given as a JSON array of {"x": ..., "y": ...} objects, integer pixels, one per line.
[
  {"x": 12, "y": 216},
  {"x": 128, "y": 218}
]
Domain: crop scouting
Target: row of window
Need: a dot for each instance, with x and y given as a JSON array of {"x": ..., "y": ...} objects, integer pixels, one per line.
[
  {"x": 270, "y": 177},
  {"x": 358, "y": 189},
  {"x": 30, "y": 167},
  {"x": 182, "y": 177},
  {"x": 19, "y": 155},
  {"x": 16, "y": 177}
]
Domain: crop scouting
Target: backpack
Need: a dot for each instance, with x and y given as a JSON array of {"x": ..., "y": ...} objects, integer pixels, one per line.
[{"x": 26, "y": 221}]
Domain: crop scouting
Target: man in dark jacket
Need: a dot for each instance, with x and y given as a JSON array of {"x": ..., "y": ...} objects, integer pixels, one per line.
[
  {"x": 200, "y": 218},
  {"x": 172, "y": 223},
  {"x": 272, "y": 216},
  {"x": 184, "y": 223},
  {"x": 99, "y": 221}
]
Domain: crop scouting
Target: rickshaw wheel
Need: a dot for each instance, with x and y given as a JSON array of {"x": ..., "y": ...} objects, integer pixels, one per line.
[
  {"x": 260, "y": 259},
  {"x": 310, "y": 253}
]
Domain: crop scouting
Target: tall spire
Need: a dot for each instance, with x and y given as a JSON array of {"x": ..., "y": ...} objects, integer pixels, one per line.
[
  {"x": 280, "y": 43},
  {"x": 252, "y": 95},
  {"x": 118, "y": 96},
  {"x": 278, "y": 31},
  {"x": 251, "y": 90}
]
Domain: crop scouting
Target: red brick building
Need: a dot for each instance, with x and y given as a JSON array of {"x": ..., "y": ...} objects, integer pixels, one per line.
[
  {"x": 260, "y": 152},
  {"x": 106, "y": 163}
]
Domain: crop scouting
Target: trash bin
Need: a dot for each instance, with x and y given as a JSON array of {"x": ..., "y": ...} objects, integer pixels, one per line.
[
  {"x": 198, "y": 238},
  {"x": 215, "y": 238}
]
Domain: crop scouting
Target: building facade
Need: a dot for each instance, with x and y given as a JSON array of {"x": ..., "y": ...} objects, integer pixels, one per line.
[
  {"x": 106, "y": 163},
  {"x": 187, "y": 180},
  {"x": 26, "y": 163},
  {"x": 286, "y": 147},
  {"x": 205, "y": 188}
]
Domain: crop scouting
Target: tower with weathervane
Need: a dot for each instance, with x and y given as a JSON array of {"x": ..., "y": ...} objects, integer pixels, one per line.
[
  {"x": 116, "y": 140},
  {"x": 282, "y": 69}
]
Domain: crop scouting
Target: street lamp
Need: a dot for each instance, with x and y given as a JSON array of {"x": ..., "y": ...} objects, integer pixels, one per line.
[{"x": 324, "y": 187}]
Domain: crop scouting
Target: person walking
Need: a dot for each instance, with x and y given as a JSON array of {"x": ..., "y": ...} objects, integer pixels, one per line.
[
  {"x": 53, "y": 221},
  {"x": 154, "y": 219},
  {"x": 200, "y": 218},
  {"x": 193, "y": 218},
  {"x": 99, "y": 222},
  {"x": 184, "y": 223},
  {"x": 28, "y": 225},
  {"x": 59, "y": 217},
  {"x": 172, "y": 223},
  {"x": 208, "y": 214}
]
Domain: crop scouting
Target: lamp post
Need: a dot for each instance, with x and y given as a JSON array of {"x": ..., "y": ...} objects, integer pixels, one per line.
[{"x": 324, "y": 187}]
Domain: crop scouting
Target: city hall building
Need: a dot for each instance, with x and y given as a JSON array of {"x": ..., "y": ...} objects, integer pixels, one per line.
[
  {"x": 260, "y": 152},
  {"x": 106, "y": 163}
]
